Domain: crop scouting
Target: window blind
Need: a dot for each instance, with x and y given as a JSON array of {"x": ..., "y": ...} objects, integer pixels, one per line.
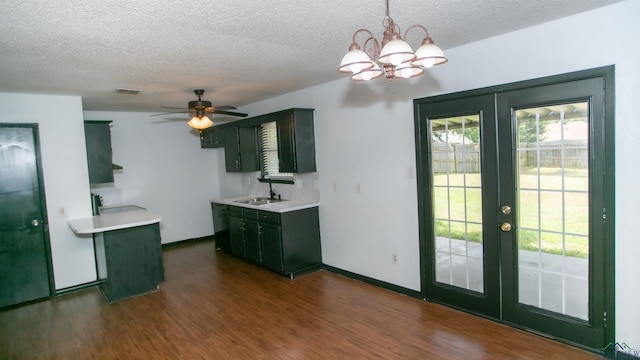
[{"x": 269, "y": 145}]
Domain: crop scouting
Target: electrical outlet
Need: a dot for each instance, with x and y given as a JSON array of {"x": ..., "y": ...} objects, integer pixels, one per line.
[{"x": 394, "y": 258}]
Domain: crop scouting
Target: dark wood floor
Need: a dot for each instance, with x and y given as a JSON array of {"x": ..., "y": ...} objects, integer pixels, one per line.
[{"x": 213, "y": 306}]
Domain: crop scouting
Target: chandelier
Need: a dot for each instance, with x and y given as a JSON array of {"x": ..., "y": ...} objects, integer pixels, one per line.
[{"x": 395, "y": 59}]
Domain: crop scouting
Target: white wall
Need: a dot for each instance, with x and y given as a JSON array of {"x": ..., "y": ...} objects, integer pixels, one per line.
[
  {"x": 165, "y": 171},
  {"x": 365, "y": 136},
  {"x": 66, "y": 181}
]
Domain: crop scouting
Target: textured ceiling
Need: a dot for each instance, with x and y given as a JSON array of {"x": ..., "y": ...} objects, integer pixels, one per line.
[{"x": 240, "y": 52}]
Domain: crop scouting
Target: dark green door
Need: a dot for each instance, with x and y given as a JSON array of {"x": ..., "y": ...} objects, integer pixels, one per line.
[
  {"x": 24, "y": 247},
  {"x": 460, "y": 195},
  {"x": 516, "y": 206},
  {"x": 552, "y": 201}
]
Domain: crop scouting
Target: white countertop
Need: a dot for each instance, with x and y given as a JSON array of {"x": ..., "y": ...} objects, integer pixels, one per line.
[
  {"x": 113, "y": 221},
  {"x": 278, "y": 207}
]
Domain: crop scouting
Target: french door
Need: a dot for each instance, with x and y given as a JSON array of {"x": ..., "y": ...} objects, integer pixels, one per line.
[{"x": 516, "y": 207}]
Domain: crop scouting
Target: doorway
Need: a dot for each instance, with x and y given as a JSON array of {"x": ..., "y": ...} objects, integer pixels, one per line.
[
  {"x": 25, "y": 255},
  {"x": 515, "y": 188}
]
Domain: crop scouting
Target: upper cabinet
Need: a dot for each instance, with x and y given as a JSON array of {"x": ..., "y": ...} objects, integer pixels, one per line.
[
  {"x": 296, "y": 141},
  {"x": 212, "y": 137},
  {"x": 98, "y": 139},
  {"x": 241, "y": 148}
]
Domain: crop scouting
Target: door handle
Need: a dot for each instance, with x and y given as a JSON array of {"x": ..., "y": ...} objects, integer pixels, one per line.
[
  {"x": 35, "y": 222},
  {"x": 506, "y": 227},
  {"x": 506, "y": 210}
]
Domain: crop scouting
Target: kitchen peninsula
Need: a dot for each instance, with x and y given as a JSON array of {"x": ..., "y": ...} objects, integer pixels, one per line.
[{"x": 128, "y": 250}]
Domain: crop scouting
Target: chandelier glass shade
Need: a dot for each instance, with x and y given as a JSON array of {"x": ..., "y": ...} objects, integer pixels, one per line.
[{"x": 394, "y": 59}]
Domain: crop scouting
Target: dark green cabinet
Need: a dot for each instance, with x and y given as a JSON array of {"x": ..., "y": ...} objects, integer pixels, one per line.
[
  {"x": 287, "y": 243},
  {"x": 236, "y": 234},
  {"x": 244, "y": 233},
  {"x": 296, "y": 141},
  {"x": 129, "y": 261},
  {"x": 212, "y": 137},
  {"x": 241, "y": 149},
  {"x": 271, "y": 246},
  {"x": 98, "y": 141},
  {"x": 220, "y": 218}
]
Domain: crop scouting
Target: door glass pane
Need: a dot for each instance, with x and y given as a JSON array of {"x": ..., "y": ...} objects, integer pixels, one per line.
[
  {"x": 457, "y": 201},
  {"x": 552, "y": 193}
]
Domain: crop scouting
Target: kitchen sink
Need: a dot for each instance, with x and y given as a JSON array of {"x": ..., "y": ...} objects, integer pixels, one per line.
[{"x": 258, "y": 201}]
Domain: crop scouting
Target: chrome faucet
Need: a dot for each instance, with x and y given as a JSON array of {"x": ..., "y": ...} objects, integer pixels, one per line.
[{"x": 272, "y": 194}]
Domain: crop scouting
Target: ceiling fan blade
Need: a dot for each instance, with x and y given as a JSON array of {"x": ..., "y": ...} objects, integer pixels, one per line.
[
  {"x": 224, "y": 107},
  {"x": 223, "y": 112},
  {"x": 169, "y": 120},
  {"x": 173, "y": 107},
  {"x": 173, "y": 112}
]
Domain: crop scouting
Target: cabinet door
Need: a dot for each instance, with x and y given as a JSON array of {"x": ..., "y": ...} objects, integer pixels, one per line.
[
  {"x": 271, "y": 247},
  {"x": 296, "y": 141},
  {"x": 237, "y": 238},
  {"x": 232, "y": 149},
  {"x": 286, "y": 143},
  {"x": 241, "y": 149},
  {"x": 249, "y": 156},
  {"x": 252, "y": 240},
  {"x": 212, "y": 137},
  {"x": 98, "y": 141}
]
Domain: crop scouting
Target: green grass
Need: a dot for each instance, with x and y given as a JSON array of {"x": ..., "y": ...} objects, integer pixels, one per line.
[{"x": 549, "y": 217}]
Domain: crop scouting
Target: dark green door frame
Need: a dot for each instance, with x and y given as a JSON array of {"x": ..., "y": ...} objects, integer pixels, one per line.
[{"x": 605, "y": 168}]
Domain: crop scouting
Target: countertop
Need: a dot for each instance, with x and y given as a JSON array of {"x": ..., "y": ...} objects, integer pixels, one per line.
[
  {"x": 114, "y": 220},
  {"x": 278, "y": 207}
]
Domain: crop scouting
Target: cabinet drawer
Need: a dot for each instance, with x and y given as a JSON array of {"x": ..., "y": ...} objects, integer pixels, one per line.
[
  {"x": 234, "y": 211},
  {"x": 249, "y": 214},
  {"x": 265, "y": 216}
]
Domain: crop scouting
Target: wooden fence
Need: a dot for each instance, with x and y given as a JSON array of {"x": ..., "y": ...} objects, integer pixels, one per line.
[{"x": 465, "y": 158}]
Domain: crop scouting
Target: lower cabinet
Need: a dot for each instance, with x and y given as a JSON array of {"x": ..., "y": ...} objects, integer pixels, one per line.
[
  {"x": 287, "y": 243},
  {"x": 129, "y": 261}
]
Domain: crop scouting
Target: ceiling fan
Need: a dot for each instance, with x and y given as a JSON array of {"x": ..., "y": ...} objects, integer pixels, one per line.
[{"x": 200, "y": 108}]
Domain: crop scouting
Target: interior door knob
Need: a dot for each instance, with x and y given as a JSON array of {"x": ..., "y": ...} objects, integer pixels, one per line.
[
  {"x": 35, "y": 222},
  {"x": 506, "y": 210},
  {"x": 506, "y": 227}
]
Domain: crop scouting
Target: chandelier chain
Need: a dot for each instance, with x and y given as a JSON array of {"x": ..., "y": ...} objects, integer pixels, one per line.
[{"x": 387, "y": 20}]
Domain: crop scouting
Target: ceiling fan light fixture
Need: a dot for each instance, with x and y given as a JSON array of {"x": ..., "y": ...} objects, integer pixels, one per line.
[
  {"x": 198, "y": 109},
  {"x": 200, "y": 122}
]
